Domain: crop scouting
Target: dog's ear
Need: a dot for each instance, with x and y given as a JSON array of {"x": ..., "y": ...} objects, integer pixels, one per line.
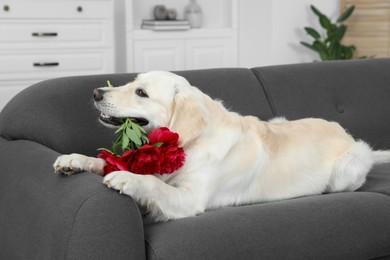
[{"x": 188, "y": 119}]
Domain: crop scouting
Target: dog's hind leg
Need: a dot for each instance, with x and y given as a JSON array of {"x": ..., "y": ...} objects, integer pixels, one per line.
[{"x": 350, "y": 170}]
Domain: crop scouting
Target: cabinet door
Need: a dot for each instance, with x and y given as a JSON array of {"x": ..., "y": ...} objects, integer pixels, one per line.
[
  {"x": 30, "y": 65},
  {"x": 158, "y": 55},
  {"x": 211, "y": 53}
]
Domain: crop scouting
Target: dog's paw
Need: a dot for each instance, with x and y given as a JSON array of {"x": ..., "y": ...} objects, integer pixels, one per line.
[
  {"x": 124, "y": 182},
  {"x": 75, "y": 163}
]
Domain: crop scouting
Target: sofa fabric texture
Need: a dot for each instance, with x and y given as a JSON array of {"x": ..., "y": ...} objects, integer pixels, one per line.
[{"x": 48, "y": 216}]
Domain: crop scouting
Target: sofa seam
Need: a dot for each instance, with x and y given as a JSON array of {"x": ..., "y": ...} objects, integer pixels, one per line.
[
  {"x": 267, "y": 92},
  {"x": 147, "y": 242},
  {"x": 74, "y": 220}
]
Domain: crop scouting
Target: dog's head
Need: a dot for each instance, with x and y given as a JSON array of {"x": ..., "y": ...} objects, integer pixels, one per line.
[{"x": 154, "y": 99}]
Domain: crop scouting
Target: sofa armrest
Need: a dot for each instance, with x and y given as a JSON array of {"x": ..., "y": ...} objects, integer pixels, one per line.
[{"x": 49, "y": 216}]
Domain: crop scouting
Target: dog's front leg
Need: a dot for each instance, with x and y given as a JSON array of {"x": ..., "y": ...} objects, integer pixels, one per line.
[
  {"x": 163, "y": 201},
  {"x": 74, "y": 163}
]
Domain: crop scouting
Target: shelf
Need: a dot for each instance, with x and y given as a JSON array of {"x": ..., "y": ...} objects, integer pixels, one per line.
[
  {"x": 188, "y": 34},
  {"x": 216, "y": 14}
]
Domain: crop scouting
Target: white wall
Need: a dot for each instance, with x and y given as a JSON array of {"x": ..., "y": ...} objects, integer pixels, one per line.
[
  {"x": 120, "y": 36},
  {"x": 270, "y": 30}
]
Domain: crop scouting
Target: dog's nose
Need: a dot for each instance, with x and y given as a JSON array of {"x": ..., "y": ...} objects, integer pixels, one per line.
[{"x": 97, "y": 94}]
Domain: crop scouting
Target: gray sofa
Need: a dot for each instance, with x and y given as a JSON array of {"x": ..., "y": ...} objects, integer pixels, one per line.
[{"x": 48, "y": 216}]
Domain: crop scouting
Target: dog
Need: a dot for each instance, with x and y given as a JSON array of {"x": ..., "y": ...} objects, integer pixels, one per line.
[{"x": 231, "y": 159}]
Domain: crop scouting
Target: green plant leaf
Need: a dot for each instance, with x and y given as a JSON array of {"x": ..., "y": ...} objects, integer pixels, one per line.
[
  {"x": 308, "y": 46},
  {"x": 340, "y": 32},
  {"x": 320, "y": 46},
  {"x": 321, "y": 49},
  {"x": 125, "y": 142},
  {"x": 133, "y": 137},
  {"x": 312, "y": 32},
  {"x": 325, "y": 22},
  {"x": 137, "y": 131},
  {"x": 346, "y": 14},
  {"x": 121, "y": 128},
  {"x": 335, "y": 51},
  {"x": 349, "y": 50},
  {"x": 315, "y": 10},
  {"x": 109, "y": 84},
  {"x": 158, "y": 145}
]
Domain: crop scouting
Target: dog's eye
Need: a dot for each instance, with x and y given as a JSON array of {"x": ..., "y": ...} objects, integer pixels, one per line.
[{"x": 141, "y": 92}]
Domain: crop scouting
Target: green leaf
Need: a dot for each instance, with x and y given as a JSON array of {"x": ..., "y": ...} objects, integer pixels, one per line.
[
  {"x": 347, "y": 13},
  {"x": 349, "y": 52},
  {"x": 125, "y": 142},
  {"x": 105, "y": 149},
  {"x": 145, "y": 139},
  {"x": 325, "y": 22},
  {"x": 336, "y": 51},
  {"x": 321, "y": 49},
  {"x": 312, "y": 32},
  {"x": 109, "y": 84},
  {"x": 308, "y": 46},
  {"x": 142, "y": 130},
  {"x": 319, "y": 46},
  {"x": 121, "y": 128},
  {"x": 158, "y": 145},
  {"x": 133, "y": 137},
  {"x": 340, "y": 32},
  {"x": 316, "y": 11},
  {"x": 115, "y": 147},
  {"x": 137, "y": 131}
]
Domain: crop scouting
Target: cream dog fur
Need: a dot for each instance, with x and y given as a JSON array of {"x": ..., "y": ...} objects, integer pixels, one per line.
[{"x": 230, "y": 159}]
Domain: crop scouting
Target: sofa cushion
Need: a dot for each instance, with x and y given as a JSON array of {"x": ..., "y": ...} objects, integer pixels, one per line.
[
  {"x": 378, "y": 180},
  {"x": 333, "y": 226},
  {"x": 354, "y": 93}
]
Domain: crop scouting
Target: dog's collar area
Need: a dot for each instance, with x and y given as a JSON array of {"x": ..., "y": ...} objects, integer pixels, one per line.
[{"x": 116, "y": 121}]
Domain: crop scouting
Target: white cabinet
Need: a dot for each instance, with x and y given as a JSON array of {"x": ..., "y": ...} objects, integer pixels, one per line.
[
  {"x": 213, "y": 45},
  {"x": 158, "y": 55},
  {"x": 44, "y": 39},
  {"x": 211, "y": 53},
  {"x": 183, "y": 54}
]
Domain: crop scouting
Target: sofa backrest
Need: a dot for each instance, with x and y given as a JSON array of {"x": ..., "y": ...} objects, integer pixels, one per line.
[
  {"x": 354, "y": 93},
  {"x": 60, "y": 114}
]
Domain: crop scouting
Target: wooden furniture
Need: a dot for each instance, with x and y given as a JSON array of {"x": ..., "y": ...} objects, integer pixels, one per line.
[
  {"x": 43, "y": 39},
  {"x": 368, "y": 27},
  {"x": 213, "y": 45}
]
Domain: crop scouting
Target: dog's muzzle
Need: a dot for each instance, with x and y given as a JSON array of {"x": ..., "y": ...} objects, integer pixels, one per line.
[{"x": 98, "y": 96}]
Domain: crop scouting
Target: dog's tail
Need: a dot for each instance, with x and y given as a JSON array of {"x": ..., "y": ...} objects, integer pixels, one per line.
[{"x": 381, "y": 156}]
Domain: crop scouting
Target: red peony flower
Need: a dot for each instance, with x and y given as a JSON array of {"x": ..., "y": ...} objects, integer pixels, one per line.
[
  {"x": 164, "y": 136},
  {"x": 111, "y": 161},
  {"x": 144, "y": 160},
  {"x": 161, "y": 156},
  {"x": 173, "y": 159}
]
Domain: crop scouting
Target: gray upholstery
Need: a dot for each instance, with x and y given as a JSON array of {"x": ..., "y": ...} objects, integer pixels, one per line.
[
  {"x": 355, "y": 95},
  {"x": 47, "y": 216}
]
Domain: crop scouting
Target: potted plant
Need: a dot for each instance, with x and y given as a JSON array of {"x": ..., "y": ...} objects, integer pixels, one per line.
[{"x": 328, "y": 44}]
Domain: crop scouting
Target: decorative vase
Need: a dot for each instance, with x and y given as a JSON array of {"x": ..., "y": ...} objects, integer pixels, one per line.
[
  {"x": 193, "y": 14},
  {"x": 160, "y": 12}
]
